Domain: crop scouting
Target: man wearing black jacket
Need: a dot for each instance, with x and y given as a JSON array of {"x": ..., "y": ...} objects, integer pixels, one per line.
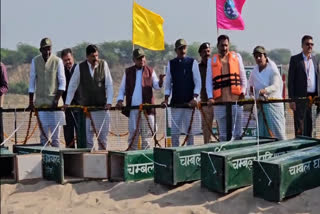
[
  {"x": 303, "y": 82},
  {"x": 69, "y": 129}
]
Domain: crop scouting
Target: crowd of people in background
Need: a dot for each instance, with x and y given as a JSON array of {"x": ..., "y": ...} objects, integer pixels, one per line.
[{"x": 219, "y": 78}]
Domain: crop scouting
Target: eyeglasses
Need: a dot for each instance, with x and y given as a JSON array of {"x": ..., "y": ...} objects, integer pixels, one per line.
[{"x": 309, "y": 44}]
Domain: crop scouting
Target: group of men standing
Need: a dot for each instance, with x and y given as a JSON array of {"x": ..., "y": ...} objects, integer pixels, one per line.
[{"x": 220, "y": 78}]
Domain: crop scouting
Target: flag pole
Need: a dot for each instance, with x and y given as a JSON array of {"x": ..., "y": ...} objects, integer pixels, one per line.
[
  {"x": 217, "y": 21},
  {"x": 132, "y": 25}
]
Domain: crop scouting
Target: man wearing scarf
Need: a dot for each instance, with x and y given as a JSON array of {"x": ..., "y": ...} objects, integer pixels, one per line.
[{"x": 136, "y": 85}]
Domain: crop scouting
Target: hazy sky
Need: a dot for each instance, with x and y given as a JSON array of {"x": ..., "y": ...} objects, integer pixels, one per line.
[{"x": 272, "y": 23}]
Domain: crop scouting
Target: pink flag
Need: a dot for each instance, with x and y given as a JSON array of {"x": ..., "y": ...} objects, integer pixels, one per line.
[{"x": 229, "y": 14}]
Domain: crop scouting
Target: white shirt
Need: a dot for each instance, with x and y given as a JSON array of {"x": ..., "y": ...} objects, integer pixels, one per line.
[
  {"x": 196, "y": 79},
  {"x": 269, "y": 79},
  {"x": 209, "y": 82},
  {"x": 60, "y": 75},
  {"x": 310, "y": 73},
  {"x": 137, "y": 92},
  {"x": 75, "y": 81}
]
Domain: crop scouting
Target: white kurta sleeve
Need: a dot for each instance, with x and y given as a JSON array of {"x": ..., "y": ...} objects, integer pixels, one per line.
[
  {"x": 155, "y": 81},
  {"x": 243, "y": 76},
  {"x": 209, "y": 82},
  {"x": 122, "y": 88},
  {"x": 73, "y": 84},
  {"x": 61, "y": 76},
  {"x": 196, "y": 77},
  {"x": 251, "y": 78},
  {"x": 32, "y": 80},
  {"x": 167, "y": 82},
  {"x": 275, "y": 80},
  {"x": 108, "y": 83}
]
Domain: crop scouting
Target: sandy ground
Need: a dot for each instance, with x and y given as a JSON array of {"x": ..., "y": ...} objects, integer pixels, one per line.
[{"x": 144, "y": 197}]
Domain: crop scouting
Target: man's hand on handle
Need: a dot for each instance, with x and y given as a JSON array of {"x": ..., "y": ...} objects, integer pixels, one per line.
[{"x": 119, "y": 104}]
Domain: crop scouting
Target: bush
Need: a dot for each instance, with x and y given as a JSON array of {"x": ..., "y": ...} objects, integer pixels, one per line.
[{"x": 18, "y": 88}]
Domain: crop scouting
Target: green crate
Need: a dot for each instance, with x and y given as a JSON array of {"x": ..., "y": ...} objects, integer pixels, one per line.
[
  {"x": 287, "y": 175},
  {"x": 175, "y": 165},
  {"x": 8, "y": 166},
  {"x": 60, "y": 165},
  {"x": 228, "y": 170},
  {"x": 130, "y": 165}
]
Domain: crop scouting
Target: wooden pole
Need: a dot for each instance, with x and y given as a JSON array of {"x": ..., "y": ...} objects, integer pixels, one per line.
[{"x": 132, "y": 25}]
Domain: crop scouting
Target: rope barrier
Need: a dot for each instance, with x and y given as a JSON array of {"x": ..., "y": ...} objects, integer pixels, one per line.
[
  {"x": 258, "y": 136},
  {"x": 40, "y": 126},
  {"x": 28, "y": 138},
  {"x": 48, "y": 141},
  {"x": 9, "y": 137},
  {"x": 212, "y": 165},
  {"x": 154, "y": 162},
  {"x": 153, "y": 133},
  {"x": 137, "y": 128},
  {"x": 28, "y": 129},
  {"x": 88, "y": 114},
  {"x": 241, "y": 102},
  {"x": 189, "y": 128},
  {"x": 247, "y": 124},
  {"x": 30, "y": 132},
  {"x": 11, "y": 134},
  {"x": 118, "y": 135}
]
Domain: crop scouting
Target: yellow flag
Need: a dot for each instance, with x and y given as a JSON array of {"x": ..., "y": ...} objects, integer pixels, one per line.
[{"x": 147, "y": 28}]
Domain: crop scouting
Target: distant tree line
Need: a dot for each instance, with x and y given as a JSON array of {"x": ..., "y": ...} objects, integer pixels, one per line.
[{"x": 120, "y": 53}]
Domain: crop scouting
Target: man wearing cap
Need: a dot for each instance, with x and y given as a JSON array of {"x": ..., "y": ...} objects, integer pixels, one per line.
[
  {"x": 226, "y": 82},
  {"x": 47, "y": 81},
  {"x": 3, "y": 91},
  {"x": 303, "y": 76},
  {"x": 93, "y": 80},
  {"x": 71, "y": 115},
  {"x": 136, "y": 85},
  {"x": 183, "y": 83},
  {"x": 207, "y": 118}
]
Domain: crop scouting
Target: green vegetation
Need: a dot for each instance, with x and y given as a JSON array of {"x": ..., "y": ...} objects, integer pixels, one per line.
[
  {"x": 18, "y": 88},
  {"x": 23, "y": 54},
  {"x": 119, "y": 53}
]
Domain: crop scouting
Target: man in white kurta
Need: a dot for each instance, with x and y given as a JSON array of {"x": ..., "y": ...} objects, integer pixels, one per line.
[
  {"x": 47, "y": 81},
  {"x": 183, "y": 84},
  {"x": 136, "y": 85},
  {"x": 266, "y": 82},
  {"x": 93, "y": 80}
]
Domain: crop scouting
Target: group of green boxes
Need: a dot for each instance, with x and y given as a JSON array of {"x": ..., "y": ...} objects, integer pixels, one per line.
[
  {"x": 277, "y": 169},
  {"x": 223, "y": 167},
  {"x": 75, "y": 165},
  {"x": 232, "y": 169}
]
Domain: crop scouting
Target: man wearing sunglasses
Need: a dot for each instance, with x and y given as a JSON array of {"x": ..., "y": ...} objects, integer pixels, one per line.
[{"x": 302, "y": 82}]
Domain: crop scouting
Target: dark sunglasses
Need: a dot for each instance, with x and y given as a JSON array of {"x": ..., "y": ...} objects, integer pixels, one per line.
[{"x": 309, "y": 44}]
